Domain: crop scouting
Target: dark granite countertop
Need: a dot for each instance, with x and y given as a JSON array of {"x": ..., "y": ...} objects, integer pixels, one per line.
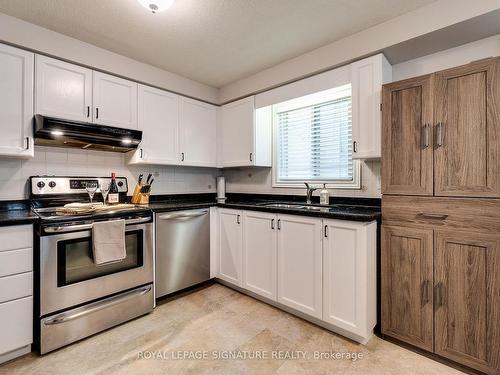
[
  {"x": 356, "y": 209},
  {"x": 16, "y": 213}
]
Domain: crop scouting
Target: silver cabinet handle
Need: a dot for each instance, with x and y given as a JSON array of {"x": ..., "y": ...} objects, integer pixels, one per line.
[
  {"x": 238, "y": 219},
  {"x": 438, "y": 295},
  {"x": 279, "y": 224},
  {"x": 96, "y": 113},
  {"x": 140, "y": 153},
  {"x": 71, "y": 228},
  {"x": 27, "y": 143},
  {"x": 440, "y": 133},
  {"x": 425, "y": 136},
  {"x": 251, "y": 156},
  {"x": 326, "y": 231},
  {"x": 272, "y": 223},
  {"x": 184, "y": 215},
  {"x": 425, "y": 292},
  {"x": 182, "y": 156},
  {"x": 96, "y": 306},
  {"x": 432, "y": 215},
  {"x": 354, "y": 146},
  {"x": 88, "y": 111}
]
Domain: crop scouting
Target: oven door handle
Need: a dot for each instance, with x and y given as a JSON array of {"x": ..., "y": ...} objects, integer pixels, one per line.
[
  {"x": 96, "y": 306},
  {"x": 72, "y": 228}
]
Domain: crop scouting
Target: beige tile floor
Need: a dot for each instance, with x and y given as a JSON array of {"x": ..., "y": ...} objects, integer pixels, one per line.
[{"x": 219, "y": 320}]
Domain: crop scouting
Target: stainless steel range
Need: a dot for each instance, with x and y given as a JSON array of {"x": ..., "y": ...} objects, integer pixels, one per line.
[{"x": 76, "y": 298}]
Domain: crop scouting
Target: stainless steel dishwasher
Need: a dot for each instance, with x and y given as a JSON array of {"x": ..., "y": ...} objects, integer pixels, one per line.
[{"x": 182, "y": 249}]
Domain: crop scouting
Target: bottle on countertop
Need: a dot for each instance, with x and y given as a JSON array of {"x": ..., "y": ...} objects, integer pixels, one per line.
[
  {"x": 113, "y": 196},
  {"x": 324, "y": 196}
]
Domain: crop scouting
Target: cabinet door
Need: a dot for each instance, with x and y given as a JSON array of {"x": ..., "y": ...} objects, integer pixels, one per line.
[
  {"x": 230, "y": 246},
  {"x": 16, "y": 324},
  {"x": 367, "y": 77},
  {"x": 198, "y": 127},
  {"x": 260, "y": 253},
  {"x": 406, "y": 137},
  {"x": 158, "y": 118},
  {"x": 238, "y": 133},
  {"x": 63, "y": 90},
  {"x": 16, "y": 96},
  {"x": 300, "y": 264},
  {"x": 467, "y": 298},
  {"x": 407, "y": 285},
  {"x": 467, "y": 146},
  {"x": 115, "y": 101},
  {"x": 349, "y": 275}
]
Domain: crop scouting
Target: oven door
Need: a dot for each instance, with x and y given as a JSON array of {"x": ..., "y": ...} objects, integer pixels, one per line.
[{"x": 69, "y": 276}]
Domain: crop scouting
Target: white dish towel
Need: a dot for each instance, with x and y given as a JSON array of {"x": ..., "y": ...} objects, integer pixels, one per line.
[{"x": 108, "y": 240}]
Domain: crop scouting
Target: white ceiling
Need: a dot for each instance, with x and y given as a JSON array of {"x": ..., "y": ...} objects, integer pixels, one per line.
[{"x": 211, "y": 41}]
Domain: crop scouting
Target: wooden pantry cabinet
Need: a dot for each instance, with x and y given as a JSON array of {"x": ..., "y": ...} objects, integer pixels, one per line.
[
  {"x": 441, "y": 133},
  {"x": 440, "y": 277}
]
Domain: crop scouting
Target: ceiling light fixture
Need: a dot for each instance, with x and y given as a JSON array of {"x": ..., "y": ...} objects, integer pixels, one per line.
[{"x": 156, "y": 5}]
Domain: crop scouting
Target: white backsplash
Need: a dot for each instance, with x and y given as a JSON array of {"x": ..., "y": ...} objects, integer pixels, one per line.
[
  {"x": 14, "y": 173},
  {"x": 259, "y": 180}
]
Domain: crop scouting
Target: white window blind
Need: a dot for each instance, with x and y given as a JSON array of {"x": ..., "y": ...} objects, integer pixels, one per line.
[{"x": 314, "y": 138}]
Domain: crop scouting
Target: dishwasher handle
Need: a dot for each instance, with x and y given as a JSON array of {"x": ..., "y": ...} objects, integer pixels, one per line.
[{"x": 183, "y": 215}]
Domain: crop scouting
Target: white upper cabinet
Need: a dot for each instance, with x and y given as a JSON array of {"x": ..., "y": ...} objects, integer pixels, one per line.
[
  {"x": 260, "y": 253},
  {"x": 230, "y": 235},
  {"x": 63, "y": 90},
  {"x": 16, "y": 96},
  {"x": 367, "y": 77},
  {"x": 197, "y": 133},
  {"x": 158, "y": 118},
  {"x": 245, "y": 137},
  {"x": 349, "y": 276},
  {"x": 300, "y": 264},
  {"x": 115, "y": 101}
]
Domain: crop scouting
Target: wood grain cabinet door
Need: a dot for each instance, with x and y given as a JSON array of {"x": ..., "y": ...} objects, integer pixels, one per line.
[
  {"x": 407, "y": 285},
  {"x": 407, "y": 118},
  {"x": 467, "y": 130},
  {"x": 467, "y": 298}
]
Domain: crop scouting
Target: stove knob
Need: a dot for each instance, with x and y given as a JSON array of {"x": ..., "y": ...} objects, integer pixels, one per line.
[
  {"x": 120, "y": 183},
  {"x": 52, "y": 184},
  {"x": 40, "y": 184}
]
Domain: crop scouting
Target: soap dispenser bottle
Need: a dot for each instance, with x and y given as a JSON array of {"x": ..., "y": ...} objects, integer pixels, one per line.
[{"x": 324, "y": 196}]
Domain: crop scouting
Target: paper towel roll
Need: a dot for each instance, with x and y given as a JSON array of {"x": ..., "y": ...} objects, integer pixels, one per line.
[{"x": 221, "y": 189}]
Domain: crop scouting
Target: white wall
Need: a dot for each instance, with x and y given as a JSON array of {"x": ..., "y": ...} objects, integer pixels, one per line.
[
  {"x": 28, "y": 35},
  {"x": 14, "y": 173},
  {"x": 435, "y": 16},
  {"x": 449, "y": 58},
  {"x": 259, "y": 180}
]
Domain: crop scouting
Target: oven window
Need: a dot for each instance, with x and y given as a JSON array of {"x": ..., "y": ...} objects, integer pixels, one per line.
[{"x": 75, "y": 261}]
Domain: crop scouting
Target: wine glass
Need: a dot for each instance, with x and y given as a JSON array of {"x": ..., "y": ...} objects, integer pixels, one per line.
[
  {"x": 91, "y": 189},
  {"x": 104, "y": 192}
]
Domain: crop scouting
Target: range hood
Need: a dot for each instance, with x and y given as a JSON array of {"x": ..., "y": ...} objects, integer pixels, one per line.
[{"x": 64, "y": 133}]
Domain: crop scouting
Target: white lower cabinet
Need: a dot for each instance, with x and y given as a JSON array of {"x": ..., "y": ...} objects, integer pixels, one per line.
[
  {"x": 349, "y": 276},
  {"x": 16, "y": 290},
  {"x": 300, "y": 263},
  {"x": 260, "y": 253},
  {"x": 321, "y": 268},
  {"x": 230, "y": 246}
]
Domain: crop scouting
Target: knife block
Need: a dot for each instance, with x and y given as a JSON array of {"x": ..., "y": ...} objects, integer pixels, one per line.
[{"x": 138, "y": 197}]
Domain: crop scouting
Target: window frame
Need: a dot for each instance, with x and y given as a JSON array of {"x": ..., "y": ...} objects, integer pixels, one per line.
[{"x": 353, "y": 184}]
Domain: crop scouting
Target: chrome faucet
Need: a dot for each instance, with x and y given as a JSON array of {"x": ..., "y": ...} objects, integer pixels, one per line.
[{"x": 309, "y": 193}]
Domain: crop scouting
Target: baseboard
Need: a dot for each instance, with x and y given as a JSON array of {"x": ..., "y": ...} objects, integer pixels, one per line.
[{"x": 15, "y": 353}]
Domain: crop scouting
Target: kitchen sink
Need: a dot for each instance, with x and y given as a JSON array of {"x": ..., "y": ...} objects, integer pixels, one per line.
[{"x": 296, "y": 206}]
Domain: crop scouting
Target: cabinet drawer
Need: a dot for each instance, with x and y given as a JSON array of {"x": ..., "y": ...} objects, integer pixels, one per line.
[
  {"x": 16, "y": 286},
  {"x": 16, "y": 261},
  {"x": 452, "y": 213},
  {"x": 16, "y": 324},
  {"x": 16, "y": 237}
]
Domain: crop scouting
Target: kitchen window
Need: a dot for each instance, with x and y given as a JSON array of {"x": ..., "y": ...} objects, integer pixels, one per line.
[{"x": 313, "y": 140}]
